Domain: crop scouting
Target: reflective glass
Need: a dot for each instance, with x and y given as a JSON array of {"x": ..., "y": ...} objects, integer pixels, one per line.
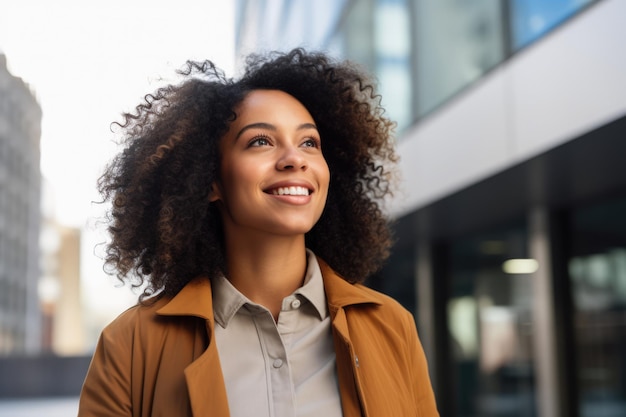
[
  {"x": 597, "y": 270},
  {"x": 456, "y": 43},
  {"x": 392, "y": 43},
  {"x": 377, "y": 34},
  {"x": 531, "y": 19},
  {"x": 490, "y": 326}
]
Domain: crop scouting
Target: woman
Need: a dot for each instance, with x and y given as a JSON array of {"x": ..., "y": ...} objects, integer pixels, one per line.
[{"x": 249, "y": 212}]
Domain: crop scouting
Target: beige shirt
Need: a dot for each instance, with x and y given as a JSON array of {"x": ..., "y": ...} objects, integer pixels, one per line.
[{"x": 277, "y": 369}]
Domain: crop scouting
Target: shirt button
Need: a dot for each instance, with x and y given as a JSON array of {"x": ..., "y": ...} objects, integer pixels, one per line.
[
  {"x": 278, "y": 363},
  {"x": 295, "y": 303}
]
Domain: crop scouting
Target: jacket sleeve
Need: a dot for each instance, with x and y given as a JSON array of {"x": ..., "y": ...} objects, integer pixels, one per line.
[
  {"x": 422, "y": 388},
  {"x": 106, "y": 391}
]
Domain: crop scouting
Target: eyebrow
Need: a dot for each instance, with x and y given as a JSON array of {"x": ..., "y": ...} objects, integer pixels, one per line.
[{"x": 269, "y": 126}]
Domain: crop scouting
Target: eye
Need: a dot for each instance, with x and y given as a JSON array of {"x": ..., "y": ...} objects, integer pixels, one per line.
[
  {"x": 259, "y": 141},
  {"x": 311, "y": 143}
]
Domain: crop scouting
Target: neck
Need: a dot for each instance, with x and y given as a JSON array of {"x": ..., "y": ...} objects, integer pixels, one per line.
[{"x": 268, "y": 270}]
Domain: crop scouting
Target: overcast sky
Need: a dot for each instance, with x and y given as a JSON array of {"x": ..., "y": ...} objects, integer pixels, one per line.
[{"x": 88, "y": 61}]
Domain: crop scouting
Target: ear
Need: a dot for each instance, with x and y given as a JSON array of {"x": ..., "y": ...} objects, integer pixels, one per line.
[{"x": 215, "y": 194}]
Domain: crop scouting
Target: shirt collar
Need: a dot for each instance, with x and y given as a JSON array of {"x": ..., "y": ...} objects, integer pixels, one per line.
[
  {"x": 195, "y": 299},
  {"x": 313, "y": 288},
  {"x": 227, "y": 300}
]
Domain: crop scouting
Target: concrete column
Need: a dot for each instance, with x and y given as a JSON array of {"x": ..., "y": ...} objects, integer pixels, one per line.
[
  {"x": 544, "y": 323},
  {"x": 425, "y": 303}
]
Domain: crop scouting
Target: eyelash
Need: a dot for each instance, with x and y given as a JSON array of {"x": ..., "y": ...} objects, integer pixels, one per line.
[
  {"x": 255, "y": 141},
  {"x": 315, "y": 141}
]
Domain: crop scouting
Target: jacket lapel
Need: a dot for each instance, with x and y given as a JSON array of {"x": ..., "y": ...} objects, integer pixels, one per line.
[
  {"x": 346, "y": 372},
  {"x": 205, "y": 384},
  {"x": 205, "y": 381},
  {"x": 340, "y": 296}
]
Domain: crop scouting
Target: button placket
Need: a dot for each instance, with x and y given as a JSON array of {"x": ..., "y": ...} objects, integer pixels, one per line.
[{"x": 277, "y": 365}]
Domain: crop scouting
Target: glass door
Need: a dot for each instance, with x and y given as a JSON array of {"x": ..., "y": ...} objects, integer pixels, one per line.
[{"x": 490, "y": 324}]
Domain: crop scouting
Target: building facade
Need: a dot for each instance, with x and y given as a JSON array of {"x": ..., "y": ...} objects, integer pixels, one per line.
[
  {"x": 63, "y": 315},
  {"x": 20, "y": 179},
  {"x": 511, "y": 238}
]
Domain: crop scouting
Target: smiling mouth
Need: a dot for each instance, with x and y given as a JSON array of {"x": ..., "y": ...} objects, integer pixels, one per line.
[{"x": 294, "y": 190}]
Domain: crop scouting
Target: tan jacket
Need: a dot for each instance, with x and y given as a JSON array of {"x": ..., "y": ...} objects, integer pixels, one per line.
[{"x": 160, "y": 360}]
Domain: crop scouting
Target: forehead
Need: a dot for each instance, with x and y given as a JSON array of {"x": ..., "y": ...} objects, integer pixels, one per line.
[{"x": 270, "y": 105}]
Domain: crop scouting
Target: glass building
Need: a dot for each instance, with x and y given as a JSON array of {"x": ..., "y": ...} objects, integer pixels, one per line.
[{"x": 510, "y": 226}]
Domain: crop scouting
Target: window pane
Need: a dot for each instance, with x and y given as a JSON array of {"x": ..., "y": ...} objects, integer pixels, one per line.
[
  {"x": 392, "y": 42},
  {"x": 457, "y": 42},
  {"x": 397, "y": 277},
  {"x": 597, "y": 271}
]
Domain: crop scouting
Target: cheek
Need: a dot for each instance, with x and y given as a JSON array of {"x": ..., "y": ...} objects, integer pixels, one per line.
[
  {"x": 325, "y": 174},
  {"x": 239, "y": 177}
]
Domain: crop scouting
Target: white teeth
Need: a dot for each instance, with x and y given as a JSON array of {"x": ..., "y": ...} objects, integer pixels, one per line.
[{"x": 290, "y": 191}]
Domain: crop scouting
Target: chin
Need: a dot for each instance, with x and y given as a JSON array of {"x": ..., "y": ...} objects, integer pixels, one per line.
[{"x": 293, "y": 229}]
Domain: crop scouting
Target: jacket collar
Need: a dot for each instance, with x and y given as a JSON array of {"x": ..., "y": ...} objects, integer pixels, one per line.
[
  {"x": 340, "y": 293},
  {"x": 195, "y": 298}
]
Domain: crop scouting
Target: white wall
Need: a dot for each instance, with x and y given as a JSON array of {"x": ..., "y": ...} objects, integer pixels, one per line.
[{"x": 564, "y": 85}]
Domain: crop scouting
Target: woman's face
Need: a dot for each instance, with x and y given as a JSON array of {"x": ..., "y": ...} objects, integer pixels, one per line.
[{"x": 273, "y": 176}]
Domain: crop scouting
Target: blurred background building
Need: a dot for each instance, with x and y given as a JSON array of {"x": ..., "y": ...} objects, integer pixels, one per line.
[
  {"x": 40, "y": 304},
  {"x": 63, "y": 313},
  {"x": 511, "y": 233},
  {"x": 20, "y": 184}
]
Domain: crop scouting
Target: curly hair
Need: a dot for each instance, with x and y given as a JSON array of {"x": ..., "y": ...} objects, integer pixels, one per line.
[{"x": 164, "y": 231}]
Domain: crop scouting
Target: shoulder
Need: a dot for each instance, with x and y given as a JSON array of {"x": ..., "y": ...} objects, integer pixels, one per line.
[
  {"x": 140, "y": 311},
  {"x": 381, "y": 298},
  {"x": 360, "y": 301},
  {"x": 134, "y": 318},
  {"x": 185, "y": 312},
  {"x": 383, "y": 307}
]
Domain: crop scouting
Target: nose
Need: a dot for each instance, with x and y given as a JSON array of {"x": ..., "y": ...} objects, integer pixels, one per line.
[{"x": 292, "y": 159}]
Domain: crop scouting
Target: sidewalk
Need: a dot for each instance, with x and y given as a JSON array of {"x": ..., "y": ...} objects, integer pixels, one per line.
[{"x": 38, "y": 407}]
